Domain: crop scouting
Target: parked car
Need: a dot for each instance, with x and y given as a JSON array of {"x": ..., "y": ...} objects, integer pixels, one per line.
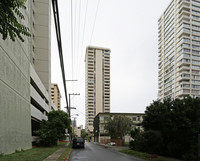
[{"x": 78, "y": 143}]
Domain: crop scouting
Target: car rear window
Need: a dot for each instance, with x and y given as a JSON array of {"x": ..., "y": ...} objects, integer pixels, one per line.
[{"x": 79, "y": 139}]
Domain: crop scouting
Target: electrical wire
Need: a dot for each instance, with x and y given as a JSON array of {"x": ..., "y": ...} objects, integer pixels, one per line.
[
  {"x": 59, "y": 41},
  {"x": 84, "y": 25},
  {"x": 72, "y": 45},
  {"x": 83, "y": 37},
  {"x": 78, "y": 52},
  {"x": 94, "y": 21}
]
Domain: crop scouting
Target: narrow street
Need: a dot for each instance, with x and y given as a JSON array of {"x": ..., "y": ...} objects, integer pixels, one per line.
[{"x": 94, "y": 152}]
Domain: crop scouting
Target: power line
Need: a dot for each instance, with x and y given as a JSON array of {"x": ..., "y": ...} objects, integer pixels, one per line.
[
  {"x": 78, "y": 52},
  {"x": 94, "y": 20},
  {"x": 59, "y": 41},
  {"x": 84, "y": 25},
  {"x": 72, "y": 45},
  {"x": 83, "y": 36}
]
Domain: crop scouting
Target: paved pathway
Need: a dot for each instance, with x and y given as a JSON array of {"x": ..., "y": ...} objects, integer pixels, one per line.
[
  {"x": 56, "y": 155},
  {"x": 117, "y": 148}
]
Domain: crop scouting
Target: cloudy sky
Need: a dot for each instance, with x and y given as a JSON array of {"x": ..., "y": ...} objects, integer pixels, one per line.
[{"x": 130, "y": 29}]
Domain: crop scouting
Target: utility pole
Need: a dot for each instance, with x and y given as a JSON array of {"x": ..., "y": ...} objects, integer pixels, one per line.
[
  {"x": 69, "y": 112},
  {"x": 70, "y": 102}
]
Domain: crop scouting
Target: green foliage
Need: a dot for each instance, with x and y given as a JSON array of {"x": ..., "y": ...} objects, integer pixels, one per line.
[
  {"x": 9, "y": 23},
  {"x": 119, "y": 126},
  {"x": 53, "y": 129},
  {"x": 134, "y": 132},
  {"x": 84, "y": 134},
  {"x": 171, "y": 128},
  {"x": 1, "y": 154},
  {"x": 148, "y": 141}
]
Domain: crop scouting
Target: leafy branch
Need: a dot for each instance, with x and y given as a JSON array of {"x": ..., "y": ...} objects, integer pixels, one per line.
[{"x": 9, "y": 24}]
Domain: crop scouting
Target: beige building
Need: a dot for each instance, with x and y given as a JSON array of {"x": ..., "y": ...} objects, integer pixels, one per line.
[
  {"x": 25, "y": 77},
  {"x": 97, "y": 63},
  {"x": 56, "y": 95},
  {"x": 77, "y": 131},
  {"x": 101, "y": 134},
  {"x": 179, "y": 50}
]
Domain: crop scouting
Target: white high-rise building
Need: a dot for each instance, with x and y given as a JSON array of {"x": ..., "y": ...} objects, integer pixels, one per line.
[
  {"x": 179, "y": 50},
  {"x": 97, "y": 82}
]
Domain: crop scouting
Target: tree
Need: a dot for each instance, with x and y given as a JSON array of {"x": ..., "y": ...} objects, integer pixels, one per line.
[
  {"x": 83, "y": 133},
  {"x": 119, "y": 126},
  {"x": 54, "y": 128},
  {"x": 10, "y": 15},
  {"x": 176, "y": 123}
]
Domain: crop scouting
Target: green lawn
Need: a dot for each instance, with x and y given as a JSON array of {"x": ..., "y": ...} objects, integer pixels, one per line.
[
  {"x": 148, "y": 157},
  {"x": 34, "y": 154}
]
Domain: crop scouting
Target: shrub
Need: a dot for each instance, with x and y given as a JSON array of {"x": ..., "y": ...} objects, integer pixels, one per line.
[
  {"x": 132, "y": 144},
  {"x": 53, "y": 129}
]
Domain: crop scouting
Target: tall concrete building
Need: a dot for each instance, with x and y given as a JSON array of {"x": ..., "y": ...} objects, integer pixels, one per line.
[
  {"x": 25, "y": 80},
  {"x": 56, "y": 95},
  {"x": 179, "y": 50},
  {"x": 97, "y": 82}
]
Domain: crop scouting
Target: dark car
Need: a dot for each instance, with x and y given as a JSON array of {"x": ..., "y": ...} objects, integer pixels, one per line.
[{"x": 78, "y": 143}]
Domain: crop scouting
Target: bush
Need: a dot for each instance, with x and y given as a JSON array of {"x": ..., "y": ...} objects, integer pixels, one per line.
[
  {"x": 171, "y": 128},
  {"x": 53, "y": 129},
  {"x": 132, "y": 144}
]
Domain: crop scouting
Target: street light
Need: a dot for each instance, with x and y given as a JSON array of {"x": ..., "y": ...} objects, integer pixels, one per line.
[{"x": 75, "y": 114}]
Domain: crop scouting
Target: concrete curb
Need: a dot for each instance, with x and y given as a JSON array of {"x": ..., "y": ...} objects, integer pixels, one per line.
[{"x": 68, "y": 155}]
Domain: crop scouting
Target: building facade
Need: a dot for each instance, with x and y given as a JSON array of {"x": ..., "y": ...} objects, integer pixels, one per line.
[
  {"x": 97, "y": 81},
  {"x": 179, "y": 50},
  {"x": 101, "y": 134},
  {"x": 56, "y": 95},
  {"x": 25, "y": 80}
]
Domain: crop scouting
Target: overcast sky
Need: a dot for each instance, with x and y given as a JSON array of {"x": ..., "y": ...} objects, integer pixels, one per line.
[{"x": 130, "y": 29}]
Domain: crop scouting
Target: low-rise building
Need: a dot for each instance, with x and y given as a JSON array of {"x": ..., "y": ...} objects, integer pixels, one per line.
[{"x": 101, "y": 135}]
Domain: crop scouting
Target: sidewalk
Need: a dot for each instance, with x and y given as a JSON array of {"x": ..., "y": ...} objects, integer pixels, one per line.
[
  {"x": 56, "y": 155},
  {"x": 117, "y": 148}
]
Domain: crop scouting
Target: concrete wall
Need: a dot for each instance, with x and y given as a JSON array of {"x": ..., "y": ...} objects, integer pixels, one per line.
[
  {"x": 42, "y": 41},
  {"x": 15, "y": 114},
  {"x": 99, "y": 82},
  {"x": 25, "y": 75}
]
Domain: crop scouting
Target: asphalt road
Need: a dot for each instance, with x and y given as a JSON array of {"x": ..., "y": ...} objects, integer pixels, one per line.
[{"x": 94, "y": 152}]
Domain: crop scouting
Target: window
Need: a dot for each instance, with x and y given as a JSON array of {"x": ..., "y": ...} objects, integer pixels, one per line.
[{"x": 134, "y": 118}]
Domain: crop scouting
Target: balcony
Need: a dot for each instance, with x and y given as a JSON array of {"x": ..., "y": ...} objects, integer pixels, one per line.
[
  {"x": 40, "y": 101},
  {"x": 37, "y": 114},
  {"x": 183, "y": 92}
]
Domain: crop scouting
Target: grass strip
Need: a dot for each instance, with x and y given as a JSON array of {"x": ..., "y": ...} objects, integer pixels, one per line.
[
  {"x": 64, "y": 155},
  {"x": 148, "y": 157},
  {"x": 34, "y": 154}
]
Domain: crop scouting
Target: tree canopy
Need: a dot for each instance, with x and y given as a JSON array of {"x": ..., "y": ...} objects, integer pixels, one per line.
[
  {"x": 10, "y": 15},
  {"x": 171, "y": 128},
  {"x": 119, "y": 126},
  {"x": 54, "y": 128}
]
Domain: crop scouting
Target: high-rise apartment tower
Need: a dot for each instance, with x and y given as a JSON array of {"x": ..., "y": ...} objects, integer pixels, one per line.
[
  {"x": 97, "y": 61},
  {"x": 56, "y": 95},
  {"x": 179, "y": 50}
]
